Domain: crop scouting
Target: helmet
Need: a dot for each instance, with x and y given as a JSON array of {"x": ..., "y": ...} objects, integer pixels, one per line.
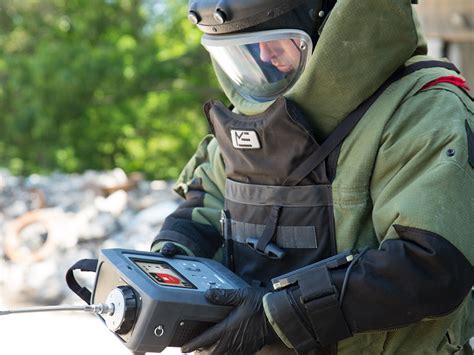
[{"x": 261, "y": 46}]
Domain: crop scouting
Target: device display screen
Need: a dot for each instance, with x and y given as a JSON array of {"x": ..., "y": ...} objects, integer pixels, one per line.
[{"x": 163, "y": 274}]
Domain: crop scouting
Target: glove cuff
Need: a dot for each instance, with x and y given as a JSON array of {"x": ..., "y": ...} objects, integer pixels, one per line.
[
  {"x": 309, "y": 313},
  {"x": 273, "y": 323},
  {"x": 288, "y": 322}
]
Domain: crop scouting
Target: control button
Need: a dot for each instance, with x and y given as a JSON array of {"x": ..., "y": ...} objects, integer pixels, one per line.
[
  {"x": 217, "y": 277},
  {"x": 159, "y": 331}
]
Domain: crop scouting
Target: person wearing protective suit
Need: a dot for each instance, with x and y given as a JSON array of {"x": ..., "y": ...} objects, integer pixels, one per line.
[{"x": 347, "y": 147}]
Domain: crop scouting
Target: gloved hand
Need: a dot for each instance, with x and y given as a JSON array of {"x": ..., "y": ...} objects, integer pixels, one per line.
[
  {"x": 244, "y": 331},
  {"x": 170, "y": 249}
]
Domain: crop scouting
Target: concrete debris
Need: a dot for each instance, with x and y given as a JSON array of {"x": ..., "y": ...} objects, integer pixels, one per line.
[{"x": 47, "y": 223}]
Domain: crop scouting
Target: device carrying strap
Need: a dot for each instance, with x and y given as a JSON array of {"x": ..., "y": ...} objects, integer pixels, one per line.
[
  {"x": 82, "y": 265},
  {"x": 346, "y": 126}
]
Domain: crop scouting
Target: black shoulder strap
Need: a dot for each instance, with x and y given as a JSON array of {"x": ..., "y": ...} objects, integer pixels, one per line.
[
  {"x": 83, "y": 265},
  {"x": 346, "y": 126},
  {"x": 470, "y": 144}
]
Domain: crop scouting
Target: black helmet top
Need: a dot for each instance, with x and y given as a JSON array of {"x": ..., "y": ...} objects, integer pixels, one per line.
[{"x": 227, "y": 16}]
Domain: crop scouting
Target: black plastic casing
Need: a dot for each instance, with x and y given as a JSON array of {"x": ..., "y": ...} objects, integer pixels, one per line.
[
  {"x": 238, "y": 14},
  {"x": 166, "y": 316}
]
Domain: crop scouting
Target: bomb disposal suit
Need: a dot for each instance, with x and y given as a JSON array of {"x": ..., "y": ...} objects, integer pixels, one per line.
[{"x": 343, "y": 135}]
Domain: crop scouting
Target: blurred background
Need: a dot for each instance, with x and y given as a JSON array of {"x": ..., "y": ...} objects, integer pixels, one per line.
[
  {"x": 100, "y": 84},
  {"x": 100, "y": 108}
]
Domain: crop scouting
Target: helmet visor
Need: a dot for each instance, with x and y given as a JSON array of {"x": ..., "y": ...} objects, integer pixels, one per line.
[{"x": 261, "y": 65}]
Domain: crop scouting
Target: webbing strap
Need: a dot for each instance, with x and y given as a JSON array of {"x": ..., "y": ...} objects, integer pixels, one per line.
[
  {"x": 346, "y": 126},
  {"x": 270, "y": 229},
  {"x": 321, "y": 300},
  {"x": 470, "y": 144},
  {"x": 264, "y": 245},
  {"x": 82, "y": 265}
]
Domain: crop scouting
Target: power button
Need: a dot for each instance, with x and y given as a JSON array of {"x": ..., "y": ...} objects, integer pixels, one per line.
[{"x": 159, "y": 331}]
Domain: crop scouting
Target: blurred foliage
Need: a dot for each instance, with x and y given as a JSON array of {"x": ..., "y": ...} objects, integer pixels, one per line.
[{"x": 99, "y": 84}]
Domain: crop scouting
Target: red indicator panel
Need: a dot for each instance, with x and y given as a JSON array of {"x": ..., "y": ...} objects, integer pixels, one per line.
[{"x": 163, "y": 274}]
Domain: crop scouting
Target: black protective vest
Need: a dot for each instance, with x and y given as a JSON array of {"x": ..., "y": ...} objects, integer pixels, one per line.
[
  {"x": 278, "y": 222},
  {"x": 278, "y": 196}
]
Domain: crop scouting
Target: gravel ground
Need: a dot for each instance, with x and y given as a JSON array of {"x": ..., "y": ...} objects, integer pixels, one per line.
[{"x": 80, "y": 214}]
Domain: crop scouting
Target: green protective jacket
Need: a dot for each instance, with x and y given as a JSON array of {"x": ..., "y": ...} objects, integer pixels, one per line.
[{"x": 408, "y": 162}]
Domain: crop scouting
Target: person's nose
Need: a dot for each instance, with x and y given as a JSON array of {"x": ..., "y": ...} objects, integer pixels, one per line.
[{"x": 265, "y": 52}]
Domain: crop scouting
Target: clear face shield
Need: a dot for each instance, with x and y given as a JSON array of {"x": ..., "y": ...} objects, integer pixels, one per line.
[{"x": 261, "y": 65}]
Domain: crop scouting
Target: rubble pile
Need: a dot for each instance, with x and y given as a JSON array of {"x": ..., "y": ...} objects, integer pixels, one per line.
[{"x": 47, "y": 223}]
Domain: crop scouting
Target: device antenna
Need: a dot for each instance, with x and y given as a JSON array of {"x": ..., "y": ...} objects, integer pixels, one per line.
[{"x": 100, "y": 308}]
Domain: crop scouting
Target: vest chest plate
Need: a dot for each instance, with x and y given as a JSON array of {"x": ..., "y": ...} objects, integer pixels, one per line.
[{"x": 272, "y": 223}]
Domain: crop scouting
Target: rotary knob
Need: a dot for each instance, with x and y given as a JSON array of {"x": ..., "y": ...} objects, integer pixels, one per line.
[{"x": 123, "y": 318}]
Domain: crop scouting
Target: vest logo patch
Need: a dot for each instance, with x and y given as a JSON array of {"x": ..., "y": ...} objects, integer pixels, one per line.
[{"x": 245, "y": 139}]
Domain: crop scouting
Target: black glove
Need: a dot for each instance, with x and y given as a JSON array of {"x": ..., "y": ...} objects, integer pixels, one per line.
[
  {"x": 244, "y": 331},
  {"x": 170, "y": 249}
]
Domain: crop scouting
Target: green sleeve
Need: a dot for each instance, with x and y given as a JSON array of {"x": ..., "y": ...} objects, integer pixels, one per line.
[
  {"x": 422, "y": 190},
  {"x": 422, "y": 176},
  {"x": 207, "y": 168},
  {"x": 194, "y": 226}
]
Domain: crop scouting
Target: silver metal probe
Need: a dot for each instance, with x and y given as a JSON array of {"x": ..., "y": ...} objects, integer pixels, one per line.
[{"x": 100, "y": 308}]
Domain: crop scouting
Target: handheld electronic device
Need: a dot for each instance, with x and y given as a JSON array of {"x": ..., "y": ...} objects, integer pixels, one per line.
[
  {"x": 150, "y": 301},
  {"x": 159, "y": 301}
]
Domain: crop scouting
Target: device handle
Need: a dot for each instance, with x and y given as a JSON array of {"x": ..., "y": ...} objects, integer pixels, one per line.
[{"x": 83, "y": 265}]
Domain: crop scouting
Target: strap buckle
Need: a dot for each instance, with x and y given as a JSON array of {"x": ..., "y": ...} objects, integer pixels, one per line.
[
  {"x": 271, "y": 250},
  {"x": 264, "y": 245}
]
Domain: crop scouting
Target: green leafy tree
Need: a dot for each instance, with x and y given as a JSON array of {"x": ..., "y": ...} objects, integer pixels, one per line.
[{"x": 99, "y": 84}]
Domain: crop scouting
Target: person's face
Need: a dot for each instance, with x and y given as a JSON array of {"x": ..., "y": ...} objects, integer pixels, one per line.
[{"x": 283, "y": 54}]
